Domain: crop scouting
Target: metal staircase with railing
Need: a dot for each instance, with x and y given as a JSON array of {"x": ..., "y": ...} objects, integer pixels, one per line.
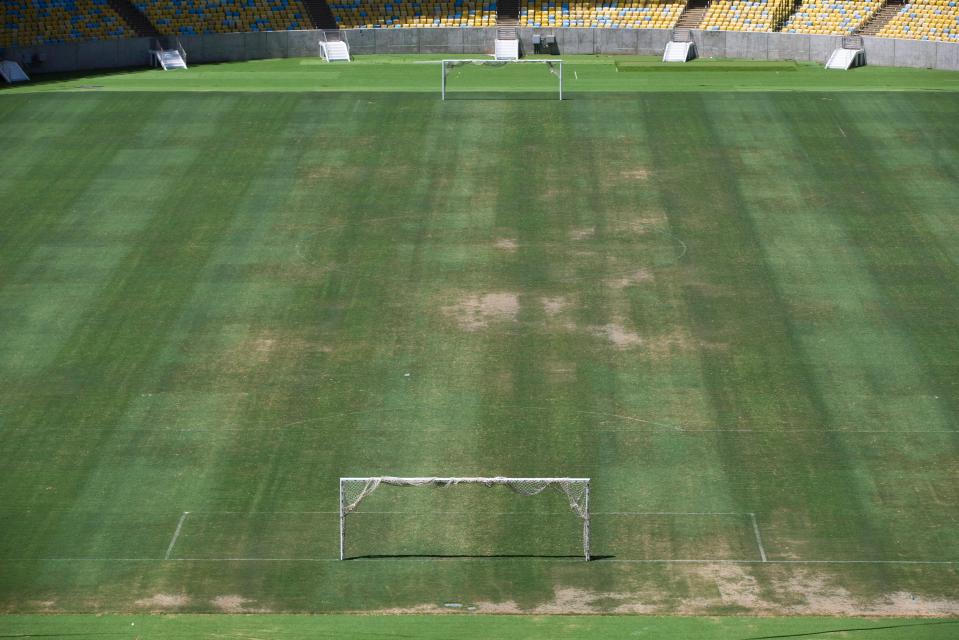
[
  {"x": 690, "y": 19},
  {"x": 334, "y": 46},
  {"x": 680, "y": 47},
  {"x": 506, "y": 46},
  {"x": 168, "y": 58},
  {"x": 850, "y": 54}
]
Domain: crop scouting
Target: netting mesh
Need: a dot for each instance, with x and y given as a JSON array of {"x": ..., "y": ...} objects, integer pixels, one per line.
[
  {"x": 449, "y": 65},
  {"x": 575, "y": 490}
]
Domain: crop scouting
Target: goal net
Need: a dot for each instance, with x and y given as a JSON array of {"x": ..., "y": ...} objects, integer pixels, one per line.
[
  {"x": 526, "y": 75},
  {"x": 354, "y": 490}
]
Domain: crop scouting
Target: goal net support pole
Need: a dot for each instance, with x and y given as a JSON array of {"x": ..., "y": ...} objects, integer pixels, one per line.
[
  {"x": 576, "y": 490},
  {"x": 555, "y": 67}
]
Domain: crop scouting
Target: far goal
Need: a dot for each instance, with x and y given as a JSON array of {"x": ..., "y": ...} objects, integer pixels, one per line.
[
  {"x": 576, "y": 491},
  {"x": 509, "y": 81}
]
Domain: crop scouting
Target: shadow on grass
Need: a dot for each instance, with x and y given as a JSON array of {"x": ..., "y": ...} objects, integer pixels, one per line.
[
  {"x": 807, "y": 634},
  {"x": 437, "y": 556},
  {"x": 544, "y": 96},
  {"x": 92, "y": 634}
]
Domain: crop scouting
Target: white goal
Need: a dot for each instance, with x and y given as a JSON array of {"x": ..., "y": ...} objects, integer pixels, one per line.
[
  {"x": 555, "y": 67},
  {"x": 576, "y": 490}
]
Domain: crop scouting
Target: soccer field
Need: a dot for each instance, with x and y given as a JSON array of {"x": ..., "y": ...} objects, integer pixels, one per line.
[{"x": 735, "y": 310}]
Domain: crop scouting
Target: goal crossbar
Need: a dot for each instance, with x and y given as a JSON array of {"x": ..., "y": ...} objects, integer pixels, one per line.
[
  {"x": 354, "y": 489},
  {"x": 448, "y": 63}
]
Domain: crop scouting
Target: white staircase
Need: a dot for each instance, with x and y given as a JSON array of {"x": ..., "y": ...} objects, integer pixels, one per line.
[
  {"x": 845, "y": 59},
  {"x": 334, "y": 50},
  {"x": 12, "y": 72},
  {"x": 170, "y": 59},
  {"x": 506, "y": 49},
  {"x": 678, "y": 52}
]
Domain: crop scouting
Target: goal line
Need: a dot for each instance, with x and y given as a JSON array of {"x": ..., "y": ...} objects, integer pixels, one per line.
[
  {"x": 576, "y": 490},
  {"x": 555, "y": 67}
]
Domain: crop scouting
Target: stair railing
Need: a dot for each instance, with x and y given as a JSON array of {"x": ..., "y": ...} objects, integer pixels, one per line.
[{"x": 852, "y": 42}]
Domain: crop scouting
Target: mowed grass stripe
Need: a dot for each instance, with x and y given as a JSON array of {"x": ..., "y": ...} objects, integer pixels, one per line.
[
  {"x": 908, "y": 235},
  {"x": 360, "y": 310},
  {"x": 110, "y": 358},
  {"x": 762, "y": 378},
  {"x": 918, "y": 300},
  {"x": 831, "y": 296},
  {"x": 209, "y": 378},
  {"x": 99, "y": 206},
  {"x": 283, "y": 366}
]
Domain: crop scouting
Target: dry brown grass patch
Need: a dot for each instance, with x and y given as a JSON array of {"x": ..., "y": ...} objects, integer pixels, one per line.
[
  {"x": 163, "y": 601},
  {"x": 476, "y": 312},
  {"x": 618, "y": 335}
]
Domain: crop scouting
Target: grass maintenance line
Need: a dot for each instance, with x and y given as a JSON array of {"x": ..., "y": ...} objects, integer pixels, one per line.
[
  {"x": 176, "y": 534},
  {"x": 759, "y": 538}
]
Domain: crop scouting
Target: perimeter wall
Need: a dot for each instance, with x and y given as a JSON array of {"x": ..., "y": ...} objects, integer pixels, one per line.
[{"x": 229, "y": 47}]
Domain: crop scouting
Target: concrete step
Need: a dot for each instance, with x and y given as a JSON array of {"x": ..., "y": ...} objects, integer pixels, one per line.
[
  {"x": 691, "y": 19},
  {"x": 879, "y": 19}
]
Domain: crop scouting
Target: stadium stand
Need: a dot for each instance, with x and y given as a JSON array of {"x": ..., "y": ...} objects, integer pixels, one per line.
[
  {"x": 628, "y": 14},
  {"x": 831, "y": 17},
  {"x": 925, "y": 20},
  {"x": 32, "y": 22},
  {"x": 396, "y": 14},
  {"x": 746, "y": 15},
  {"x": 190, "y": 17}
]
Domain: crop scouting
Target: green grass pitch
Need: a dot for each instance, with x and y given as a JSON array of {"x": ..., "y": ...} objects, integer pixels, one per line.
[{"x": 730, "y": 298}]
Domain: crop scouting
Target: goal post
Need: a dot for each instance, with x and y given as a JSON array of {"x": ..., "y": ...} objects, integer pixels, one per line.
[
  {"x": 555, "y": 67},
  {"x": 576, "y": 490}
]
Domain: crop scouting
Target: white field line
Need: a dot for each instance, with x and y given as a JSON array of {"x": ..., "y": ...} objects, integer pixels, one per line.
[
  {"x": 577, "y": 560},
  {"x": 704, "y": 561},
  {"x": 483, "y": 513},
  {"x": 176, "y": 534},
  {"x": 759, "y": 538}
]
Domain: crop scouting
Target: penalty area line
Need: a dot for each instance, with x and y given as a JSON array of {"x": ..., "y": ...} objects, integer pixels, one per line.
[
  {"x": 176, "y": 534},
  {"x": 513, "y": 559}
]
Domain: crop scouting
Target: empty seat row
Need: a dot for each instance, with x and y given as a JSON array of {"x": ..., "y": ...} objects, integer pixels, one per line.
[
  {"x": 190, "y": 17},
  {"x": 925, "y": 20},
  {"x": 393, "y": 14},
  {"x": 831, "y": 17},
  {"x": 748, "y": 15},
  {"x": 619, "y": 14},
  {"x": 32, "y": 22}
]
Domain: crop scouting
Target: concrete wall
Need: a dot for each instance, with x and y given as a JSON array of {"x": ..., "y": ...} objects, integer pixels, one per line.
[{"x": 281, "y": 44}]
